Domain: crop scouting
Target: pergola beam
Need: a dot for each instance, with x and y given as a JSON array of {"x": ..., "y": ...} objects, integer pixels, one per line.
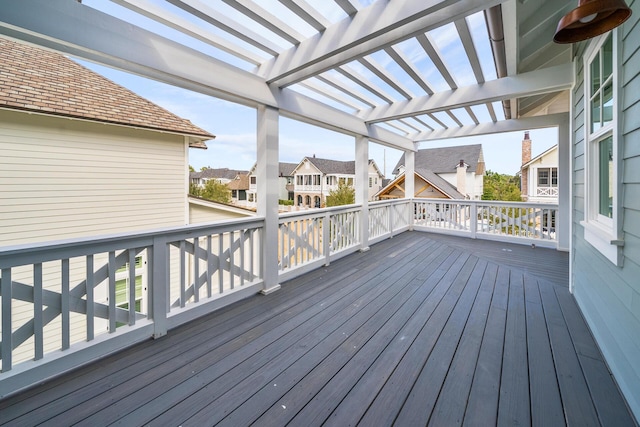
[
  {"x": 82, "y": 31},
  {"x": 373, "y": 28},
  {"x": 512, "y": 125},
  {"x": 537, "y": 82}
]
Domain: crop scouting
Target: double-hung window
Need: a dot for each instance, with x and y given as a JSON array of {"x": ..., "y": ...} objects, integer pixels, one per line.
[{"x": 602, "y": 221}]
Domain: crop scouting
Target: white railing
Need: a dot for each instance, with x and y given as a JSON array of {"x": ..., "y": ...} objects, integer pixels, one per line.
[
  {"x": 387, "y": 218},
  {"x": 510, "y": 221},
  {"x": 118, "y": 290},
  {"x": 313, "y": 188},
  {"x": 547, "y": 191},
  {"x": 65, "y": 303},
  {"x": 316, "y": 237}
]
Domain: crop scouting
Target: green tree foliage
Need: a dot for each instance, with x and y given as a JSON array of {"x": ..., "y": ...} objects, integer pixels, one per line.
[
  {"x": 213, "y": 190},
  {"x": 501, "y": 187},
  {"x": 191, "y": 169},
  {"x": 345, "y": 194},
  {"x": 195, "y": 190}
]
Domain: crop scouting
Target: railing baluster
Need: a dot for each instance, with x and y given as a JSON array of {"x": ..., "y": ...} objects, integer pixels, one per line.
[
  {"x": 7, "y": 339},
  {"x": 132, "y": 287},
  {"x": 89, "y": 285},
  {"x": 64, "y": 307},
  {"x": 232, "y": 236},
  {"x": 252, "y": 261},
  {"x": 196, "y": 269},
  {"x": 209, "y": 265},
  {"x": 220, "y": 266},
  {"x": 112, "y": 291},
  {"x": 242, "y": 258},
  {"x": 38, "y": 333},
  {"x": 183, "y": 274}
]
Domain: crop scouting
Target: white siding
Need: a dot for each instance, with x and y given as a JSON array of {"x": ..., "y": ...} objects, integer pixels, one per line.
[
  {"x": 609, "y": 296},
  {"x": 63, "y": 178},
  {"x": 202, "y": 214}
]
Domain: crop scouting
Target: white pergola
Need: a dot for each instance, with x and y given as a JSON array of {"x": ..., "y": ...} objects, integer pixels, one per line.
[{"x": 379, "y": 72}]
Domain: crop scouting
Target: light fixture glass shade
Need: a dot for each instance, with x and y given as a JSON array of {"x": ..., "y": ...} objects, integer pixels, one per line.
[{"x": 591, "y": 18}]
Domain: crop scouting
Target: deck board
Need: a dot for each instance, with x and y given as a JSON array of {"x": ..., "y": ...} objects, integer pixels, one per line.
[{"x": 422, "y": 329}]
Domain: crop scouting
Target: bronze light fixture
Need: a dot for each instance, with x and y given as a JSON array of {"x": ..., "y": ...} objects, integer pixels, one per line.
[{"x": 591, "y": 18}]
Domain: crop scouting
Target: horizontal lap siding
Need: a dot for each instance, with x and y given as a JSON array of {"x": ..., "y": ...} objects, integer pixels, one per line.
[
  {"x": 61, "y": 179},
  {"x": 610, "y": 296}
]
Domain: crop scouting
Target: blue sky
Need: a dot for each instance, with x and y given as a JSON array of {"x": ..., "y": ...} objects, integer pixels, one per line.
[{"x": 235, "y": 125}]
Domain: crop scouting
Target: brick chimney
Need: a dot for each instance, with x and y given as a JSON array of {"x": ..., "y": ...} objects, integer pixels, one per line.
[
  {"x": 461, "y": 178},
  {"x": 526, "y": 158}
]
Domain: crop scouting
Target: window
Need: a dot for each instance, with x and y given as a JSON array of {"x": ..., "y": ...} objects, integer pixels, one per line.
[
  {"x": 253, "y": 180},
  {"x": 543, "y": 177},
  {"x": 370, "y": 182},
  {"x": 298, "y": 179},
  {"x": 547, "y": 177},
  {"x": 602, "y": 223}
]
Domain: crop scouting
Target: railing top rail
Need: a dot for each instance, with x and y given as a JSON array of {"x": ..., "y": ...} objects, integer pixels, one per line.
[
  {"x": 319, "y": 211},
  {"x": 490, "y": 202},
  {"x": 60, "y": 249},
  {"x": 388, "y": 202}
]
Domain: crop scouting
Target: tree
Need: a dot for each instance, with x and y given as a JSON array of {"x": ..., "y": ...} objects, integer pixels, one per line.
[
  {"x": 213, "y": 190},
  {"x": 191, "y": 169},
  {"x": 345, "y": 194},
  {"x": 216, "y": 191},
  {"x": 501, "y": 187},
  {"x": 195, "y": 189}
]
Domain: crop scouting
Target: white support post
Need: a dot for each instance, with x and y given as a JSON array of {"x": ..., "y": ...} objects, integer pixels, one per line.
[
  {"x": 160, "y": 286},
  {"x": 563, "y": 220},
  {"x": 362, "y": 188},
  {"x": 473, "y": 219},
  {"x": 267, "y": 189},
  {"x": 410, "y": 181}
]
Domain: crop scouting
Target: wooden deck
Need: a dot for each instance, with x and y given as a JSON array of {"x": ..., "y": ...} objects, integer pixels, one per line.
[{"x": 421, "y": 329}]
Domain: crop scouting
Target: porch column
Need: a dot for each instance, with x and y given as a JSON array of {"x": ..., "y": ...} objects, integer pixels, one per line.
[
  {"x": 267, "y": 189},
  {"x": 362, "y": 188},
  {"x": 564, "y": 186},
  {"x": 409, "y": 174},
  {"x": 410, "y": 182}
]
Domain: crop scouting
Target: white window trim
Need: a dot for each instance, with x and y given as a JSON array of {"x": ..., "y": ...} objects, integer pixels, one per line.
[{"x": 604, "y": 234}]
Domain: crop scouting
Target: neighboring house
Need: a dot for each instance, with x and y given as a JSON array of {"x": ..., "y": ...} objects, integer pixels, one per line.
[
  {"x": 285, "y": 183},
  {"x": 222, "y": 175},
  {"x": 239, "y": 187},
  {"x": 449, "y": 173},
  {"x": 77, "y": 154},
  {"x": 314, "y": 178},
  {"x": 539, "y": 176}
]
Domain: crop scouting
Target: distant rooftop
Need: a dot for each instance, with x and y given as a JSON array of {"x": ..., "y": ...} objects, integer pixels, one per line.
[
  {"x": 39, "y": 80},
  {"x": 445, "y": 160}
]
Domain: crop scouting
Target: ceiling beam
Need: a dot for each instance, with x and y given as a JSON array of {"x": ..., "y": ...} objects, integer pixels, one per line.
[
  {"x": 215, "y": 18},
  {"x": 152, "y": 11},
  {"x": 373, "y": 28},
  {"x": 267, "y": 20},
  {"x": 305, "y": 11},
  {"x": 511, "y": 125},
  {"x": 349, "y": 6},
  {"x": 79, "y": 30},
  {"x": 532, "y": 83},
  {"x": 469, "y": 48}
]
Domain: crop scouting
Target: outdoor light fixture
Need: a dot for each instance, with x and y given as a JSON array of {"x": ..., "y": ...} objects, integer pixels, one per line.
[{"x": 591, "y": 18}]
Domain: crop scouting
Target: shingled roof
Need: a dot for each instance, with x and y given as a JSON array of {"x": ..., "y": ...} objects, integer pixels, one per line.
[
  {"x": 445, "y": 160},
  {"x": 34, "y": 79},
  {"x": 218, "y": 173}
]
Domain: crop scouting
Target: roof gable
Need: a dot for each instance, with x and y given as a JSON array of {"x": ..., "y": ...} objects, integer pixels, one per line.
[
  {"x": 34, "y": 79},
  {"x": 540, "y": 156}
]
